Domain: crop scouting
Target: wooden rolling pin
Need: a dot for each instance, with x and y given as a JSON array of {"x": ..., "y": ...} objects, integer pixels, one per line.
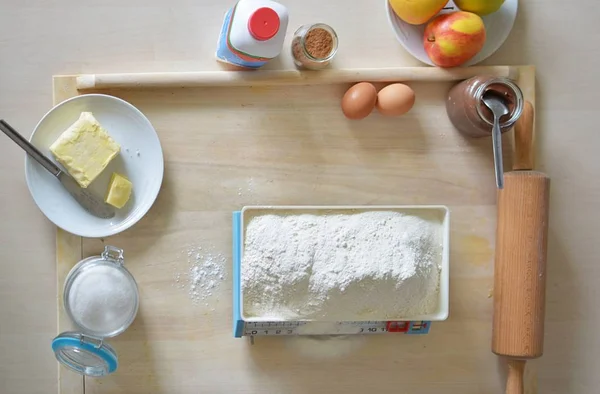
[{"x": 520, "y": 266}]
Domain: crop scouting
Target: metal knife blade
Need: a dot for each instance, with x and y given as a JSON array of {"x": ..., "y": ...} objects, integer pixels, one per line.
[{"x": 89, "y": 201}]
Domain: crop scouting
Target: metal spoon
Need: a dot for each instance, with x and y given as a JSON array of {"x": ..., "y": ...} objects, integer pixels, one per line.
[
  {"x": 496, "y": 103},
  {"x": 84, "y": 197}
]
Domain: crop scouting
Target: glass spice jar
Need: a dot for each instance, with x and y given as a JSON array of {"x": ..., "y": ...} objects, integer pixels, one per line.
[
  {"x": 314, "y": 46},
  {"x": 469, "y": 114},
  {"x": 101, "y": 299}
]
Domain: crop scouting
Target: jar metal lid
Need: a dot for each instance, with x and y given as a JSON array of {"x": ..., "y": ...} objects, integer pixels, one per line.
[{"x": 84, "y": 354}]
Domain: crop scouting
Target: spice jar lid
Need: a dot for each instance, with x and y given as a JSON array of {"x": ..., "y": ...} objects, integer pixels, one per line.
[{"x": 84, "y": 354}]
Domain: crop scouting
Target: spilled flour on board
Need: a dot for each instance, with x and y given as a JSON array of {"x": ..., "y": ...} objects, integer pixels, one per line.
[
  {"x": 205, "y": 274},
  {"x": 248, "y": 192}
]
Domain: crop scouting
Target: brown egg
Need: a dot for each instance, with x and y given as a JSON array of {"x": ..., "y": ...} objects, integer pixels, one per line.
[
  {"x": 359, "y": 100},
  {"x": 396, "y": 99}
]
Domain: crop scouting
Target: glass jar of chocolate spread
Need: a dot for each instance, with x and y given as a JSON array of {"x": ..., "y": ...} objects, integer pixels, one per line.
[{"x": 469, "y": 114}]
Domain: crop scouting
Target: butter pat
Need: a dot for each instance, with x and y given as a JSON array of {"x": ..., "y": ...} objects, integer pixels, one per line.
[
  {"x": 85, "y": 149},
  {"x": 119, "y": 191}
]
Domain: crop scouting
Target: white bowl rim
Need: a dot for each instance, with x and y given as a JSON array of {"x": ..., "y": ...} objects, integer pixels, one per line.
[
  {"x": 142, "y": 212},
  {"x": 391, "y": 16}
]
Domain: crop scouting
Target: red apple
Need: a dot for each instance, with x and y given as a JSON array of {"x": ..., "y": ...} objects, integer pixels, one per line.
[{"x": 452, "y": 39}]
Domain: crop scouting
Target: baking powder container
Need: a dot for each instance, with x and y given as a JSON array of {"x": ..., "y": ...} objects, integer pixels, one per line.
[
  {"x": 253, "y": 33},
  {"x": 101, "y": 299}
]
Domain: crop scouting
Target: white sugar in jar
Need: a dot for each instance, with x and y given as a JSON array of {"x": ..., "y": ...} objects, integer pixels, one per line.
[
  {"x": 101, "y": 299},
  {"x": 100, "y": 295}
]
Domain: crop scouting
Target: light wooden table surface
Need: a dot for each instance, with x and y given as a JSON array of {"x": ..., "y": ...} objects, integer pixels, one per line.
[{"x": 39, "y": 38}]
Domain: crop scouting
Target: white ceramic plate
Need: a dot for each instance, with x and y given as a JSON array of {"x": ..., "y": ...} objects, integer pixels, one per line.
[
  {"x": 497, "y": 26},
  {"x": 140, "y": 160}
]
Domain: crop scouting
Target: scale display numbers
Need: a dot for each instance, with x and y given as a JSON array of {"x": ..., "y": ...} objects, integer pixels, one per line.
[{"x": 334, "y": 328}]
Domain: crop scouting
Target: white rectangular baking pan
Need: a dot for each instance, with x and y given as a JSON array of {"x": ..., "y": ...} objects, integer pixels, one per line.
[{"x": 440, "y": 211}]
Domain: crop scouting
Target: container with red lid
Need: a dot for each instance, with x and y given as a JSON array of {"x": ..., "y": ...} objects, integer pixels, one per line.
[{"x": 253, "y": 33}]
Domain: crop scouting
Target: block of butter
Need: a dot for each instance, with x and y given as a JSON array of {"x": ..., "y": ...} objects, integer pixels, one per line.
[
  {"x": 119, "y": 191},
  {"x": 85, "y": 149}
]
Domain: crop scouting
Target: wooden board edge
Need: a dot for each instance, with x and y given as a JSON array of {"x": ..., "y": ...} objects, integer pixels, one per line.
[
  {"x": 69, "y": 249},
  {"x": 526, "y": 82},
  {"x": 64, "y": 87}
]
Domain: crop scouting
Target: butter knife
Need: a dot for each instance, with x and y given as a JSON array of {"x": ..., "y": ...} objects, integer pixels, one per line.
[{"x": 88, "y": 200}]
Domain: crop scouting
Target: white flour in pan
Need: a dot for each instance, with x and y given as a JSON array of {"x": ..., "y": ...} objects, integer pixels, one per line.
[{"x": 367, "y": 265}]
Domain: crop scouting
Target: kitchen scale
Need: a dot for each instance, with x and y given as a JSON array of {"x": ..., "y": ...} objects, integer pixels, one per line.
[{"x": 243, "y": 328}]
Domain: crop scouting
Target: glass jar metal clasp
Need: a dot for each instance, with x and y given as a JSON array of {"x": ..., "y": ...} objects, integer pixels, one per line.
[{"x": 113, "y": 253}]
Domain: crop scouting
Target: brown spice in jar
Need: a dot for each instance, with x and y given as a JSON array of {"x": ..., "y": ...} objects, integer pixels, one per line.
[
  {"x": 297, "y": 50},
  {"x": 318, "y": 43}
]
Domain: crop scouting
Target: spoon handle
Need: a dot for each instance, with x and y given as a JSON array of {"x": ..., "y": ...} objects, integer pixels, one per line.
[
  {"x": 497, "y": 146},
  {"x": 29, "y": 148}
]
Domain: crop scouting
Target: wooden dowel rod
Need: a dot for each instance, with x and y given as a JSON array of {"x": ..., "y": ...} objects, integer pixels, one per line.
[{"x": 286, "y": 77}]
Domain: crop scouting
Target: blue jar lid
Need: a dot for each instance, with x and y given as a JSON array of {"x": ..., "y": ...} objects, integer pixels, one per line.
[{"x": 84, "y": 354}]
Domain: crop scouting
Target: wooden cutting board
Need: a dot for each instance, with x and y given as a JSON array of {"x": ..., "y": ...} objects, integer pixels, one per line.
[{"x": 280, "y": 142}]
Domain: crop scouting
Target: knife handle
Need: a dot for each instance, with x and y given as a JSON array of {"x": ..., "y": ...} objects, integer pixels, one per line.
[{"x": 29, "y": 148}]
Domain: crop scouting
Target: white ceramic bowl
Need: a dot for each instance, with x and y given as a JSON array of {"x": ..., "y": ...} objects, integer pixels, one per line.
[
  {"x": 439, "y": 211},
  {"x": 497, "y": 26},
  {"x": 140, "y": 160}
]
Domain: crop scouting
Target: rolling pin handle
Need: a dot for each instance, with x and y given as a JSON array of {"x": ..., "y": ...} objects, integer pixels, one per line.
[{"x": 514, "y": 382}]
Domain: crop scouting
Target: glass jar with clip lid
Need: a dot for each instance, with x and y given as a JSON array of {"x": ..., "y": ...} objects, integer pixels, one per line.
[{"x": 101, "y": 299}]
